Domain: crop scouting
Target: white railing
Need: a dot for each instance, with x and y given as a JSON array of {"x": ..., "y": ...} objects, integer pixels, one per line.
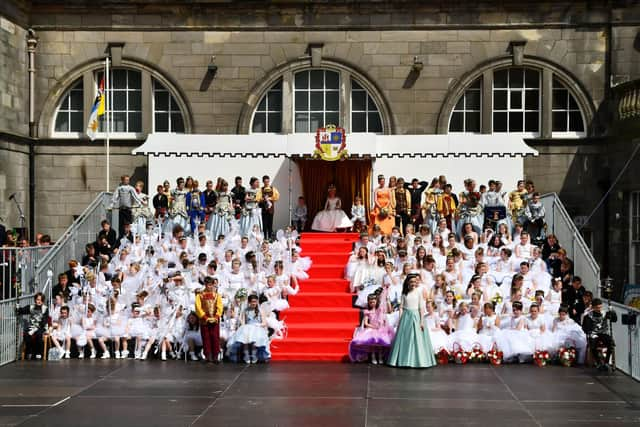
[
  {"x": 627, "y": 339},
  {"x": 18, "y": 269},
  {"x": 560, "y": 223},
  {"x": 71, "y": 245},
  {"x": 11, "y": 328}
]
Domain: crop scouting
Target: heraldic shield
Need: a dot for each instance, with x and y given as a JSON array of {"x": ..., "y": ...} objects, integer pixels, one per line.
[{"x": 330, "y": 143}]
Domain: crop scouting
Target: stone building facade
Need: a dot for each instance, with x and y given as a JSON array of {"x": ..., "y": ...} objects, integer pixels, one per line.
[{"x": 415, "y": 61}]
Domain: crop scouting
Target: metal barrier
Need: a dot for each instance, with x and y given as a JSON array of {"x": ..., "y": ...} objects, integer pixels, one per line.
[
  {"x": 18, "y": 269},
  {"x": 71, "y": 245},
  {"x": 11, "y": 328},
  {"x": 627, "y": 339},
  {"x": 560, "y": 223}
]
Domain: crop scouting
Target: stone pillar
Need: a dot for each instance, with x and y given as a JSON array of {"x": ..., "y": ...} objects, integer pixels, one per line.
[
  {"x": 287, "y": 103},
  {"x": 487, "y": 102},
  {"x": 546, "y": 104},
  {"x": 345, "y": 100},
  {"x": 147, "y": 103}
]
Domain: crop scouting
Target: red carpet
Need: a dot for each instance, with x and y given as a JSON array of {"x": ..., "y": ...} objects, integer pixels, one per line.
[{"x": 320, "y": 320}]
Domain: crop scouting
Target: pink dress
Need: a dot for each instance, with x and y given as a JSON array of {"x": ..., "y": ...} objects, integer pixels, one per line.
[{"x": 378, "y": 337}]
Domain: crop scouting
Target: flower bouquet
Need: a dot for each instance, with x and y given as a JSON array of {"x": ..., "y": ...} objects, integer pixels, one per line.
[
  {"x": 460, "y": 356},
  {"x": 541, "y": 358},
  {"x": 495, "y": 356},
  {"x": 442, "y": 356},
  {"x": 384, "y": 212},
  {"x": 567, "y": 356},
  {"x": 477, "y": 355}
]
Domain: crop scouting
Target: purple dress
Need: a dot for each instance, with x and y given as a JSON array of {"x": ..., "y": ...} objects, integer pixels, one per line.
[{"x": 376, "y": 338}]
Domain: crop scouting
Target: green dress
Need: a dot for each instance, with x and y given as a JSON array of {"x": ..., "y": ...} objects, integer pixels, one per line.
[{"x": 412, "y": 346}]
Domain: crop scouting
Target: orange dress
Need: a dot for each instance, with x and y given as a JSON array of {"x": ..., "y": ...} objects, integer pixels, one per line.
[{"x": 383, "y": 198}]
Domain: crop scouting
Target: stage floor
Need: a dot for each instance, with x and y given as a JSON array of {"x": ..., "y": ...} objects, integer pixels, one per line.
[{"x": 99, "y": 393}]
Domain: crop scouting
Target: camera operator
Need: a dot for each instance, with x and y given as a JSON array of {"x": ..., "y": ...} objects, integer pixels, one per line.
[{"x": 596, "y": 326}]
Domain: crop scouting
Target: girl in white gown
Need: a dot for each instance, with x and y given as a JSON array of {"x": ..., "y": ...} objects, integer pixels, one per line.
[
  {"x": 439, "y": 338},
  {"x": 515, "y": 342},
  {"x": 489, "y": 325},
  {"x": 332, "y": 216},
  {"x": 567, "y": 333},
  {"x": 542, "y": 339},
  {"x": 466, "y": 334}
]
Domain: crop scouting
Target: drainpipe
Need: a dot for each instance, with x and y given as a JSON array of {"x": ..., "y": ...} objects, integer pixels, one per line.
[{"x": 32, "y": 43}]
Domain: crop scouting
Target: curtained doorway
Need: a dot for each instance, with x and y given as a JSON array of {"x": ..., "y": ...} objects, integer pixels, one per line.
[{"x": 352, "y": 177}]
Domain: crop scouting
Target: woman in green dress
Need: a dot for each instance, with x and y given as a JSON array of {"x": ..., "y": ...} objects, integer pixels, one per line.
[{"x": 412, "y": 345}]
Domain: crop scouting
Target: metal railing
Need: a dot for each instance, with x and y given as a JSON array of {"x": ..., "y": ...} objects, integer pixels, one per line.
[
  {"x": 11, "y": 328},
  {"x": 560, "y": 223},
  {"x": 18, "y": 269},
  {"x": 627, "y": 339},
  {"x": 71, "y": 245}
]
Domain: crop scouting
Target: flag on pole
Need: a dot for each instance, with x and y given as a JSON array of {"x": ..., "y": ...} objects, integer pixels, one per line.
[{"x": 96, "y": 112}]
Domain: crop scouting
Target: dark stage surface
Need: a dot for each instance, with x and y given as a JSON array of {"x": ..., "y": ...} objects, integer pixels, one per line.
[{"x": 129, "y": 393}]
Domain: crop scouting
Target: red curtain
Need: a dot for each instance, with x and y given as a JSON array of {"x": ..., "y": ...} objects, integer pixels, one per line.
[{"x": 351, "y": 177}]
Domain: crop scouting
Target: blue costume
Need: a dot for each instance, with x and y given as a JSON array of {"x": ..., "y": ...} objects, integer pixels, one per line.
[{"x": 195, "y": 208}]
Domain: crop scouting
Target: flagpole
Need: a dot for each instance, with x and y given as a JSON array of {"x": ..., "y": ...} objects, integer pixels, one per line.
[{"x": 107, "y": 118}]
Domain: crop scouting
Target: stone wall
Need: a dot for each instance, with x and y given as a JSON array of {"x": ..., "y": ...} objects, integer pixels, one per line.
[
  {"x": 69, "y": 178},
  {"x": 626, "y": 53},
  {"x": 13, "y": 78},
  {"x": 14, "y": 178},
  {"x": 245, "y": 58}
]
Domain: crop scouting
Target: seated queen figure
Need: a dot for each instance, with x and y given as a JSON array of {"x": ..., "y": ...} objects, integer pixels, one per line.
[{"x": 332, "y": 217}]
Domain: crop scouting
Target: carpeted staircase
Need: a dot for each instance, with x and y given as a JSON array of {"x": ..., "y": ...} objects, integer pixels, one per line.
[{"x": 321, "y": 319}]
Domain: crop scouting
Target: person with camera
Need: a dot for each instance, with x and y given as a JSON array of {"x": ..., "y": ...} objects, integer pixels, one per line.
[{"x": 596, "y": 326}]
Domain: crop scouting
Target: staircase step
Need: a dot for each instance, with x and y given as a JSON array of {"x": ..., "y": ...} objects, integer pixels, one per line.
[
  {"x": 320, "y": 330},
  {"x": 324, "y": 285},
  {"x": 321, "y": 299},
  {"x": 321, "y": 314},
  {"x": 327, "y": 271},
  {"x": 312, "y": 345},
  {"x": 306, "y": 357},
  {"x": 332, "y": 257}
]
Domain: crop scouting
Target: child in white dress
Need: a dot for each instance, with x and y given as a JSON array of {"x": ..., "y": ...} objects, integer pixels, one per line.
[
  {"x": 567, "y": 333},
  {"x": 466, "y": 335},
  {"x": 439, "y": 338},
  {"x": 542, "y": 340},
  {"x": 515, "y": 342},
  {"x": 489, "y": 324},
  {"x": 61, "y": 333}
]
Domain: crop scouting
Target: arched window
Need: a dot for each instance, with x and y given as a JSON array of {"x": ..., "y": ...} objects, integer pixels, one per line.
[
  {"x": 365, "y": 116},
  {"x": 316, "y": 99},
  {"x": 295, "y": 98},
  {"x": 466, "y": 115},
  {"x": 167, "y": 116},
  {"x": 125, "y": 101},
  {"x": 516, "y": 100},
  {"x": 268, "y": 115},
  {"x": 69, "y": 118},
  {"x": 567, "y": 116},
  {"x": 140, "y": 100}
]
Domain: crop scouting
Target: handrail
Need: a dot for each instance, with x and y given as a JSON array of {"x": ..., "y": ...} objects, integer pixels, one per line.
[
  {"x": 68, "y": 233},
  {"x": 65, "y": 247},
  {"x": 585, "y": 264},
  {"x": 579, "y": 239}
]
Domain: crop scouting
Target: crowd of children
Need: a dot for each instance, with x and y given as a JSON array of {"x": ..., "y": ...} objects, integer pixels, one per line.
[
  {"x": 490, "y": 288},
  {"x": 149, "y": 292},
  {"x": 200, "y": 277}
]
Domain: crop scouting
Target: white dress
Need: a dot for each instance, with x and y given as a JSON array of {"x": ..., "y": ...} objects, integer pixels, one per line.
[
  {"x": 541, "y": 340},
  {"x": 569, "y": 334},
  {"x": 515, "y": 342},
  {"x": 439, "y": 338},
  {"x": 467, "y": 337},
  {"x": 489, "y": 329},
  {"x": 331, "y": 217}
]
